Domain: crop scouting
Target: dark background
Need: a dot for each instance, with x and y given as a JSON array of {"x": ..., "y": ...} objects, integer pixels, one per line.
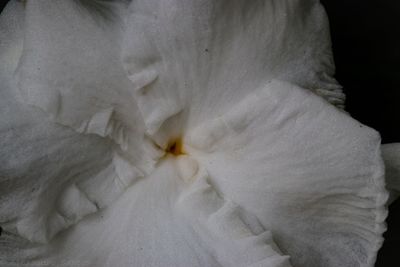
[{"x": 366, "y": 45}]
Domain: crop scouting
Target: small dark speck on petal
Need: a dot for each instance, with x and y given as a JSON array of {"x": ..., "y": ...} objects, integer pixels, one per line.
[
  {"x": 206, "y": 50},
  {"x": 1, "y": 230}
]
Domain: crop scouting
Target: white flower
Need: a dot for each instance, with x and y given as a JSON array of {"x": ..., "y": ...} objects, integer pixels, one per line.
[{"x": 178, "y": 133}]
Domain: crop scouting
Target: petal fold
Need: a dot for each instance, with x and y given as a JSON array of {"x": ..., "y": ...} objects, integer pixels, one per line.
[
  {"x": 164, "y": 220},
  {"x": 233, "y": 237},
  {"x": 200, "y": 57},
  {"x": 51, "y": 176},
  {"x": 311, "y": 174}
]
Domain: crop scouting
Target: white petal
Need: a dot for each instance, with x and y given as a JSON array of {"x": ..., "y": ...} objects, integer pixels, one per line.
[
  {"x": 71, "y": 68},
  {"x": 50, "y": 176},
  {"x": 231, "y": 234},
  {"x": 152, "y": 225},
  {"x": 311, "y": 174},
  {"x": 201, "y": 57}
]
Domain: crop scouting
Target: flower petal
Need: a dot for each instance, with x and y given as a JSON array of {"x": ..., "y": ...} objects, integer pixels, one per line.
[
  {"x": 50, "y": 176},
  {"x": 149, "y": 226},
  {"x": 71, "y": 68},
  {"x": 310, "y": 173},
  {"x": 201, "y": 57}
]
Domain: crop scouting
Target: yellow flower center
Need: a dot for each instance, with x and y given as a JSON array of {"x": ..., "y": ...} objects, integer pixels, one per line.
[{"x": 175, "y": 147}]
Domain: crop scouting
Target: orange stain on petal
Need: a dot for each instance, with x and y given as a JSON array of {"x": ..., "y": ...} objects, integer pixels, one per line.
[{"x": 175, "y": 147}]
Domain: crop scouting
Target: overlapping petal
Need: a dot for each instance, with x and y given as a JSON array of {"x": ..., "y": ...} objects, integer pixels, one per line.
[
  {"x": 270, "y": 169},
  {"x": 310, "y": 173},
  {"x": 52, "y": 176},
  {"x": 196, "y": 58},
  {"x": 153, "y": 223},
  {"x": 208, "y": 70},
  {"x": 70, "y": 67}
]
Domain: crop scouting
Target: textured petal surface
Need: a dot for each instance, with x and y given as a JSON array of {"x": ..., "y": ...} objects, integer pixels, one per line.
[
  {"x": 148, "y": 226},
  {"x": 203, "y": 69},
  {"x": 200, "y": 57},
  {"x": 266, "y": 169},
  {"x": 309, "y": 172},
  {"x": 51, "y": 176},
  {"x": 71, "y": 68}
]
